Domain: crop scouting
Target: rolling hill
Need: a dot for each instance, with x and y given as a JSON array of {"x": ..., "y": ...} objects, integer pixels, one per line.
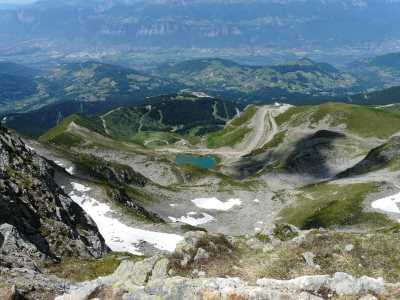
[
  {"x": 378, "y": 72},
  {"x": 381, "y": 97},
  {"x": 16, "y": 82},
  {"x": 321, "y": 141},
  {"x": 90, "y": 82},
  {"x": 162, "y": 118},
  {"x": 294, "y": 82}
]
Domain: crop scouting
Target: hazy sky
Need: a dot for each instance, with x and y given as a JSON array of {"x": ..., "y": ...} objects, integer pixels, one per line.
[{"x": 16, "y": 1}]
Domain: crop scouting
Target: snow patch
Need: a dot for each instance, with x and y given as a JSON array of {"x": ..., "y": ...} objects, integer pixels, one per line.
[
  {"x": 215, "y": 204},
  {"x": 389, "y": 204},
  {"x": 200, "y": 95},
  {"x": 70, "y": 170},
  {"x": 80, "y": 187},
  {"x": 194, "y": 218},
  {"x": 118, "y": 236},
  {"x": 59, "y": 163}
]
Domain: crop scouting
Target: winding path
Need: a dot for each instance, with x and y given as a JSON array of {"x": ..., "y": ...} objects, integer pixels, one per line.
[{"x": 263, "y": 126}]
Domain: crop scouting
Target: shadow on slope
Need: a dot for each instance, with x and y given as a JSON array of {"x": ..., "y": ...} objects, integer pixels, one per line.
[
  {"x": 313, "y": 155},
  {"x": 384, "y": 156},
  {"x": 316, "y": 155}
]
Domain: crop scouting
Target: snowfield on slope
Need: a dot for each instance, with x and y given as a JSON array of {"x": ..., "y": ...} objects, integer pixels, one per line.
[
  {"x": 69, "y": 170},
  {"x": 194, "y": 219},
  {"x": 389, "y": 204},
  {"x": 118, "y": 236},
  {"x": 215, "y": 204}
]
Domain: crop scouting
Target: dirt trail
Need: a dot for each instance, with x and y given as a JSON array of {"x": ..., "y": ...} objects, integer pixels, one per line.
[
  {"x": 104, "y": 121},
  {"x": 142, "y": 118},
  {"x": 263, "y": 126}
]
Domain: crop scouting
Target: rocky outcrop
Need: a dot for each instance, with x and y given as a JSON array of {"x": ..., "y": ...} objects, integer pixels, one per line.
[
  {"x": 120, "y": 196},
  {"x": 26, "y": 284},
  {"x": 111, "y": 172},
  {"x": 37, "y": 219},
  {"x": 149, "y": 280},
  {"x": 156, "y": 278},
  {"x": 197, "y": 248}
]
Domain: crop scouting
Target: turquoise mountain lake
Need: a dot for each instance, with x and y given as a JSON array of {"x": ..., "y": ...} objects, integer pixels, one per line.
[{"x": 202, "y": 162}]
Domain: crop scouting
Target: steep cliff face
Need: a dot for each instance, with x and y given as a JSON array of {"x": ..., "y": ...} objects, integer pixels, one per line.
[{"x": 37, "y": 219}]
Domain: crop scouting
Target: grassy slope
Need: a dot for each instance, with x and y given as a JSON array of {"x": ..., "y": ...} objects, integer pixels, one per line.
[
  {"x": 301, "y": 76},
  {"x": 275, "y": 142},
  {"x": 329, "y": 205},
  {"x": 369, "y": 257},
  {"x": 168, "y": 118},
  {"x": 374, "y": 255},
  {"x": 234, "y": 132},
  {"x": 84, "y": 269},
  {"x": 361, "y": 120},
  {"x": 59, "y": 134}
]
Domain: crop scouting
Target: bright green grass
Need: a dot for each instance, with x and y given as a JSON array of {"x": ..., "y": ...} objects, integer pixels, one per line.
[
  {"x": 234, "y": 132},
  {"x": 151, "y": 139},
  {"x": 59, "y": 134},
  {"x": 245, "y": 116},
  {"x": 59, "y": 129},
  {"x": 84, "y": 269},
  {"x": 67, "y": 139},
  {"x": 329, "y": 205},
  {"x": 275, "y": 142},
  {"x": 361, "y": 120},
  {"x": 229, "y": 136},
  {"x": 290, "y": 114}
]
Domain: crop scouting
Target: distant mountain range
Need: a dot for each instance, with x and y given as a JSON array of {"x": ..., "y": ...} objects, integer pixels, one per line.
[
  {"x": 185, "y": 112},
  {"x": 45, "y": 97},
  {"x": 378, "y": 72},
  {"x": 302, "y": 81},
  {"x": 203, "y": 23},
  {"x": 298, "y": 79},
  {"x": 79, "y": 82},
  {"x": 162, "y": 119}
]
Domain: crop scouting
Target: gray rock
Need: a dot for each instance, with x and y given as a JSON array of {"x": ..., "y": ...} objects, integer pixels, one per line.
[
  {"x": 305, "y": 283},
  {"x": 202, "y": 274},
  {"x": 160, "y": 269},
  {"x": 368, "y": 297},
  {"x": 309, "y": 258},
  {"x": 16, "y": 251},
  {"x": 349, "y": 247},
  {"x": 136, "y": 273},
  {"x": 45, "y": 220},
  {"x": 186, "y": 260},
  {"x": 345, "y": 284},
  {"x": 340, "y": 283},
  {"x": 11, "y": 240},
  {"x": 190, "y": 242},
  {"x": 201, "y": 256},
  {"x": 156, "y": 285},
  {"x": 29, "y": 280},
  {"x": 9, "y": 293},
  {"x": 199, "y": 246}
]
